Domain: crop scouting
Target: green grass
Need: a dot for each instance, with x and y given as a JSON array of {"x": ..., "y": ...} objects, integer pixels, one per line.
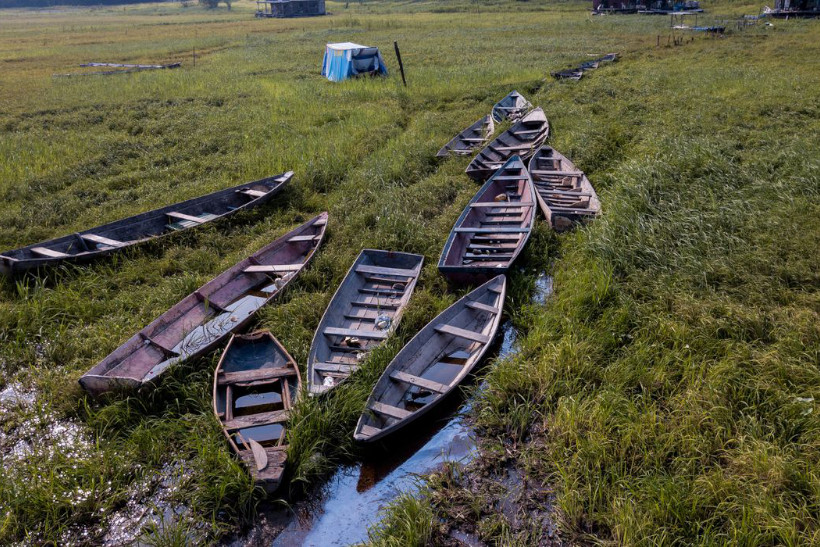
[{"x": 661, "y": 391}]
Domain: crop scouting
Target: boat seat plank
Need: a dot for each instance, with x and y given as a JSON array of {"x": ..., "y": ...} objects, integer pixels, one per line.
[
  {"x": 335, "y": 367},
  {"x": 511, "y": 177},
  {"x": 376, "y": 335},
  {"x": 253, "y": 375},
  {"x": 491, "y": 230},
  {"x": 419, "y": 382},
  {"x": 575, "y": 210},
  {"x": 505, "y": 204},
  {"x": 378, "y": 270},
  {"x": 273, "y": 268},
  {"x": 463, "y": 333},
  {"x": 183, "y": 216},
  {"x": 50, "y": 253},
  {"x": 557, "y": 173},
  {"x": 472, "y": 139},
  {"x": 482, "y": 307},
  {"x": 359, "y": 304},
  {"x": 524, "y": 146},
  {"x": 490, "y": 257},
  {"x": 255, "y": 420},
  {"x": 388, "y": 292},
  {"x": 102, "y": 240},
  {"x": 296, "y": 239},
  {"x": 369, "y": 431},
  {"x": 389, "y": 410},
  {"x": 253, "y": 193}
]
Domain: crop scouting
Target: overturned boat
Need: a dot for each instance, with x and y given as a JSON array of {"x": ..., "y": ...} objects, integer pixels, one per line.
[
  {"x": 469, "y": 139},
  {"x": 493, "y": 228},
  {"x": 202, "y": 320},
  {"x": 521, "y": 140},
  {"x": 365, "y": 310},
  {"x": 512, "y": 107},
  {"x": 256, "y": 384},
  {"x": 117, "y": 235},
  {"x": 433, "y": 363},
  {"x": 565, "y": 195}
]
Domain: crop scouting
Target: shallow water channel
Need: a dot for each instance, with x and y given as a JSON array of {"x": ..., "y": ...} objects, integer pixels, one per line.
[{"x": 349, "y": 502}]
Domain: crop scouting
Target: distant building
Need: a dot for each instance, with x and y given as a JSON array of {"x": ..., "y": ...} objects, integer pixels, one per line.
[
  {"x": 289, "y": 8},
  {"x": 646, "y": 6},
  {"x": 615, "y": 6},
  {"x": 794, "y": 8}
]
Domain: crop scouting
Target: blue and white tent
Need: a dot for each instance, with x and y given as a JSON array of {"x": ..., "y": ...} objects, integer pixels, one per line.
[{"x": 346, "y": 59}]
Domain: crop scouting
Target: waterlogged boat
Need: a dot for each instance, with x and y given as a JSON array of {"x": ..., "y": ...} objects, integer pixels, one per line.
[
  {"x": 521, "y": 140},
  {"x": 203, "y": 319},
  {"x": 565, "y": 195},
  {"x": 469, "y": 139},
  {"x": 433, "y": 363},
  {"x": 365, "y": 310},
  {"x": 493, "y": 228},
  {"x": 117, "y": 235},
  {"x": 512, "y": 107},
  {"x": 256, "y": 384}
]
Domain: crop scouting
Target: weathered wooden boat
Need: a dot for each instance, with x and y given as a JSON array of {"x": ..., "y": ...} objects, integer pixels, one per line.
[
  {"x": 203, "y": 319},
  {"x": 570, "y": 74},
  {"x": 512, "y": 107},
  {"x": 469, "y": 139},
  {"x": 493, "y": 228},
  {"x": 521, "y": 140},
  {"x": 256, "y": 384},
  {"x": 117, "y": 235},
  {"x": 564, "y": 193},
  {"x": 365, "y": 310},
  {"x": 433, "y": 363}
]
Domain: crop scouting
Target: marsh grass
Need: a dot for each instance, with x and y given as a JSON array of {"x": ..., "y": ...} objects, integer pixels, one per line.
[{"x": 666, "y": 380}]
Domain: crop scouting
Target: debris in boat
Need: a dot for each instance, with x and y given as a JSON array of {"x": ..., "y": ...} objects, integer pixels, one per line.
[
  {"x": 501, "y": 197},
  {"x": 383, "y": 322},
  {"x": 351, "y": 342}
]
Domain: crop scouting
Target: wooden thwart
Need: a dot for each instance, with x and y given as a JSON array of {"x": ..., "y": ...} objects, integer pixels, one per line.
[
  {"x": 50, "y": 253},
  {"x": 463, "y": 333},
  {"x": 491, "y": 230},
  {"x": 419, "y": 381},
  {"x": 375, "y": 335},
  {"x": 273, "y": 268},
  {"x": 482, "y": 307},
  {"x": 389, "y": 410},
  {"x": 378, "y": 270},
  {"x": 335, "y": 367},
  {"x": 183, "y": 216},
  {"x": 295, "y": 239},
  {"x": 102, "y": 240},
  {"x": 518, "y": 204},
  {"x": 255, "y": 420},
  {"x": 253, "y": 375},
  {"x": 253, "y": 193}
]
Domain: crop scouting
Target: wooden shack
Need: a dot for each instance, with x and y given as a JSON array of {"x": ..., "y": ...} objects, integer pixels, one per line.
[
  {"x": 794, "y": 8},
  {"x": 289, "y": 8},
  {"x": 615, "y": 6},
  {"x": 647, "y": 6}
]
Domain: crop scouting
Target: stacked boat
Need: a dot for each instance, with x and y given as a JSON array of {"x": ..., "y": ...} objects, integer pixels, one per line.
[{"x": 521, "y": 140}]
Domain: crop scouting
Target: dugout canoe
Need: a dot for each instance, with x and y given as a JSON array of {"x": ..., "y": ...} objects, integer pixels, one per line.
[
  {"x": 204, "y": 318},
  {"x": 432, "y": 365},
  {"x": 365, "y": 310},
  {"x": 564, "y": 193},
  {"x": 114, "y": 236},
  {"x": 512, "y": 107},
  {"x": 469, "y": 139},
  {"x": 256, "y": 384},
  {"x": 521, "y": 140},
  {"x": 493, "y": 228}
]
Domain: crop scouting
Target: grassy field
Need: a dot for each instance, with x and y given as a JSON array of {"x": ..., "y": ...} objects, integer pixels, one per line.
[{"x": 666, "y": 392}]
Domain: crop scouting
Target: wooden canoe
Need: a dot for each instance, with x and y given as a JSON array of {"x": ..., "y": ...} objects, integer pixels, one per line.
[
  {"x": 569, "y": 74},
  {"x": 109, "y": 238},
  {"x": 565, "y": 195},
  {"x": 433, "y": 363},
  {"x": 493, "y": 228},
  {"x": 365, "y": 310},
  {"x": 256, "y": 384},
  {"x": 203, "y": 319},
  {"x": 521, "y": 140},
  {"x": 512, "y": 107},
  {"x": 469, "y": 139}
]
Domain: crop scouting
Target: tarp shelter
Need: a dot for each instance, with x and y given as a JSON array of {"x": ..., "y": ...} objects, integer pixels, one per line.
[{"x": 346, "y": 59}]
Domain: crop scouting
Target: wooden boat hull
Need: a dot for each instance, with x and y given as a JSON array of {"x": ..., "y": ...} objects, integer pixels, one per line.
[
  {"x": 109, "y": 238},
  {"x": 433, "y": 364},
  {"x": 522, "y": 139},
  {"x": 365, "y": 310},
  {"x": 565, "y": 195},
  {"x": 203, "y": 319},
  {"x": 469, "y": 139},
  {"x": 512, "y": 107},
  {"x": 490, "y": 234},
  {"x": 256, "y": 384}
]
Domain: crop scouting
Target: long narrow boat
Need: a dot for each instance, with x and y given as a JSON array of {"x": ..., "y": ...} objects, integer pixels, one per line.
[
  {"x": 469, "y": 139},
  {"x": 204, "y": 318},
  {"x": 433, "y": 363},
  {"x": 564, "y": 193},
  {"x": 117, "y": 235},
  {"x": 493, "y": 228},
  {"x": 521, "y": 140},
  {"x": 256, "y": 385},
  {"x": 365, "y": 310},
  {"x": 512, "y": 107}
]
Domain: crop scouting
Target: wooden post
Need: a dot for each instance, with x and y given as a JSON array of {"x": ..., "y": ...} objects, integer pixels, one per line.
[{"x": 401, "y": 66}]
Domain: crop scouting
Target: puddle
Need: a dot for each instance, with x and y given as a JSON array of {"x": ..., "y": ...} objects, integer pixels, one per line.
[{"x": 350, "y": 501}]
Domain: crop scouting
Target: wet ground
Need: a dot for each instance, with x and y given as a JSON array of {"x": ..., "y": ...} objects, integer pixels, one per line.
[{"x": 349, "y": 503}]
